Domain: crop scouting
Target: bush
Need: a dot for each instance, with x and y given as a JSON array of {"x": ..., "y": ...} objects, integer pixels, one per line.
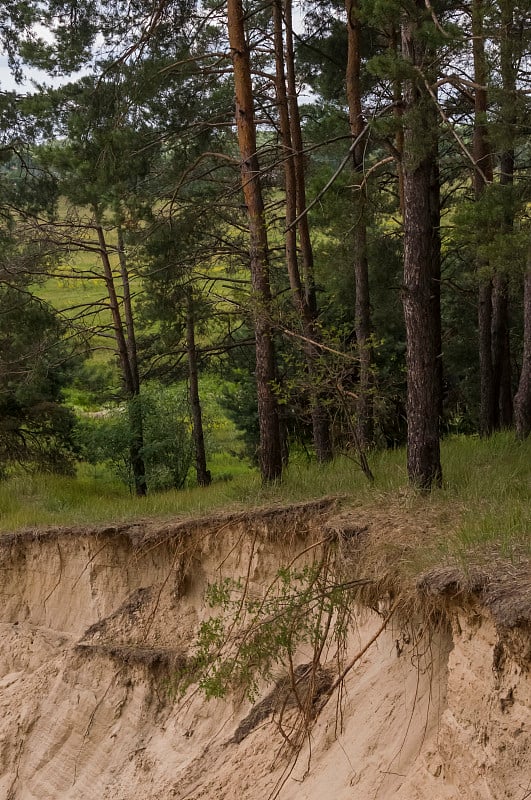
[{"x": 105, "y": 437}]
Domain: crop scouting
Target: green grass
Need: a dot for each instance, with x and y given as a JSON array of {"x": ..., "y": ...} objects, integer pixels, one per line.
[
  {"x": 92, "y": 498},
  {"x": 65, "y": 293},
  {"x": 491, "y": 482},
  {"x": 485, "y": 503}
]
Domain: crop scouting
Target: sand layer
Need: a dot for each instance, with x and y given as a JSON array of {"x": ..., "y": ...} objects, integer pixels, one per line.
[{"x": 96, "y": 624}]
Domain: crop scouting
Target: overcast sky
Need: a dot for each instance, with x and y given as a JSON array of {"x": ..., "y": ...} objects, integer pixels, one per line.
[{"x": 7, "y": 83}]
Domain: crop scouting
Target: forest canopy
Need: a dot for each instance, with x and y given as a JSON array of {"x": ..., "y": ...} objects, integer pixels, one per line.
[{"x": 320, "y": 210}]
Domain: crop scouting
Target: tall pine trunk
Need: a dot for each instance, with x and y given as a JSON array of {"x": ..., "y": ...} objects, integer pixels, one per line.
[
  {"x": 501, "y": 306},
  {"x": 362, "y": 311},
  {"x": 501, "y": 353},
  {"x": 303, "y": 295},
  {"x": 487, "y": 400},
  {"x": 421, "y": 292},
  {"x": 320, "y": 418},
  {"x": 493, "y": 300},
  {"x": 268, "y": 417},
  {"x": 204, "y": 477},
  {"x": 510, "y": 47},
  {"x": 127, "y": 361},
  {"x": 128, "y": 309},
  {"x": 522, "y": 400}
]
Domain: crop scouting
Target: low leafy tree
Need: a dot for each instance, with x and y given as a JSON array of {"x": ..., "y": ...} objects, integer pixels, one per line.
[{"x": 167, "y": 449}]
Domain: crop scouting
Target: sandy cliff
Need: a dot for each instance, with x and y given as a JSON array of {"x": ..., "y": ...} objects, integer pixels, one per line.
[{"x": 95, "y": 624}]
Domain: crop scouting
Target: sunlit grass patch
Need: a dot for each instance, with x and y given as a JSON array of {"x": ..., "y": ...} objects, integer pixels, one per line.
[{"x": 49, "y": 500}]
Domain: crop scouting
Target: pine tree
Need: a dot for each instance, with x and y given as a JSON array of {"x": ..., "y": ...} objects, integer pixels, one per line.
[
  {"x": 270, "y": 449},
  {"x": 421, "y": 292}
]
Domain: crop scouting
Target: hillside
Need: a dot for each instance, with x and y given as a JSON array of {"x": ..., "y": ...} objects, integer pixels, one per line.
[{"x": 98, "y": 622}]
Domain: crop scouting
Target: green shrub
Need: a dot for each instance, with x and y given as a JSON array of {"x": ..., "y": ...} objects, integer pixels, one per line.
[
  {"x": 168, "y": 446},
  {"x": 167, "y": 451}
]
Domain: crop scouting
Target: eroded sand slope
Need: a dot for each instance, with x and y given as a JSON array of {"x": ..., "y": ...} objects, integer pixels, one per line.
[{"x": 95, "y": 623}]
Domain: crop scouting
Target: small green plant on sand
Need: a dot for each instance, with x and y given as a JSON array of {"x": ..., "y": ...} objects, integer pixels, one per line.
[{"x": 251, "y": 637}]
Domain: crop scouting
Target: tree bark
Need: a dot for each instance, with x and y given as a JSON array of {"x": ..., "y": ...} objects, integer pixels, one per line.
[
  {"x": 270, "y": 450},
  {"x": 487, "y": 403},
  {"x": 303, "y": 224},
  {"x": 204, "y": 478},
  {"x": 522, "y": 400},
  {"x": 362, "y": 310},
  {"x": 501, "y": 355},
  {"x": 421, "y": 291},
  {"x": 508, "y": 55},
  {"x": 501, "y": 310},
  {"x": 320, "y": 418},
  {"x": 128, "y": 309}
]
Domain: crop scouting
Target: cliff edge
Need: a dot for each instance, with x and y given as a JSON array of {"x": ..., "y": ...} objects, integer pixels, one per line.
[{"x": 434, "y": 700}]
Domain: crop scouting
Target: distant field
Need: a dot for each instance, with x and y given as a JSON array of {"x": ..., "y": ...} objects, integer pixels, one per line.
[{"x": 78, "y": 291}]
